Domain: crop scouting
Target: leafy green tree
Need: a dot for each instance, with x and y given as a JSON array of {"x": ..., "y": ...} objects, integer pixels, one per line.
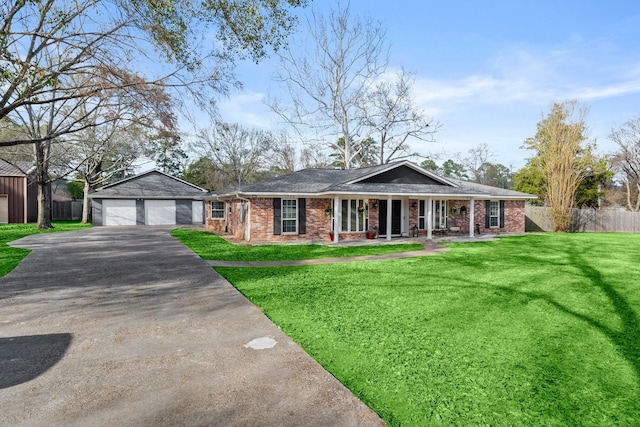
[
  {"x": 366, "y": 154},
  {"x": 451, "y": 169},
  {"x": 590, "y": 192},
  {"x": 494, "y": 174},
  {"x": 165, "y": 150},
  {"x": 75, "y": 189},
  {"x": 430, "y": 165},
  {"x": 202, "y": 173},
  {"x": 530, "y": 180}
]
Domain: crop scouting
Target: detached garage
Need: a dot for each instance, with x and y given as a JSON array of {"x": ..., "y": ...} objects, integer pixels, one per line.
[{"x": 151, "y": 198}]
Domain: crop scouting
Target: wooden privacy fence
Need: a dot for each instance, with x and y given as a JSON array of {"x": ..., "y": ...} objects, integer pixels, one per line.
[
  {"x": 539, "y": 219},
  {"x": 66, "y": 211}
]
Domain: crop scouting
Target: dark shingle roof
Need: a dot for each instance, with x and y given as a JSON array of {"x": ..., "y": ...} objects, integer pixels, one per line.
[
  {"x": 16, "y": 168},
  {"x": 152, "y": 184},
  {"x": 335, "y": 181},
  {"x": 493, "y": 191}
]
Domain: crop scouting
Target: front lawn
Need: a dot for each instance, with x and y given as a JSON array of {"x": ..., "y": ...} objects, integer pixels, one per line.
[
  {"x": 530, "y": 330},
  {"x": 212, "y": 247},
  {"x": 11, "y": 257}
]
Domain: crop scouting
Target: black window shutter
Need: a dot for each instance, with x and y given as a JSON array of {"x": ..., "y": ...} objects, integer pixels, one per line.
[
  {"x": 277, "y": 215},
  {"x": 302, "y": 216},
  {"x": 487, "y": 212},
  {"x": 501, "y": 213}
]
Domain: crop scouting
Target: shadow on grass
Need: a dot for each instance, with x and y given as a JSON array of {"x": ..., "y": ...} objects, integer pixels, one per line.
[{"x": 626, "y": 338}]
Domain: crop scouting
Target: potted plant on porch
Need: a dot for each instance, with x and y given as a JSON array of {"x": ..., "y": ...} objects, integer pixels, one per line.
[{"x": 372, "y": 233}]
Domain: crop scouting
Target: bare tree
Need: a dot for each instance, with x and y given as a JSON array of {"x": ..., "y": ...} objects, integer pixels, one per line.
[
  {"x": 564, "y": 156},
  {"x": 328, "y": 85},
  {"x": 285, "y": 158},
  {"x": 626, "y": 160},
  {"x": 395, "y": 120},
  {"x": 45, "y": 42},
  {"x": 57, "y": 54},
  {"x": 475, "y": 160},
  {"x": 239, "y": 153}
]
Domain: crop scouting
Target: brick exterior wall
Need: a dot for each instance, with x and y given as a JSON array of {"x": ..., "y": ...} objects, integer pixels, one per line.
[
  {"x": 214, "y": 225},
  {"x": 318, "y": 225},
  {"x": 513, "y": 217}
]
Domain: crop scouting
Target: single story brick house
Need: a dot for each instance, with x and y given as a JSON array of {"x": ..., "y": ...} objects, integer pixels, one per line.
[{"x": 392, "y": 200}]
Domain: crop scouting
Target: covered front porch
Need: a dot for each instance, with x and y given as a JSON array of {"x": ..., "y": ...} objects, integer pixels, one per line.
[{"x": 389, "y": 217}]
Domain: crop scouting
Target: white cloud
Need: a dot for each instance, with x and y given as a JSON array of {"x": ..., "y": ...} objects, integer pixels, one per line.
[{"x": 246, "y": 108}]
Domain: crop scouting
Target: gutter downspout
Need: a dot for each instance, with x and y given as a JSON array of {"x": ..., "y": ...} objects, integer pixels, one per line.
[{"x": 248, "y": 217}]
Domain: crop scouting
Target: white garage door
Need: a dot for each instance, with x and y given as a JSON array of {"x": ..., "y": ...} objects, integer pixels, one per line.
[
  {"x": 160, "y": 212},
  {"x": 119, "y": 212},
  {"x": 197, "y": 212}
]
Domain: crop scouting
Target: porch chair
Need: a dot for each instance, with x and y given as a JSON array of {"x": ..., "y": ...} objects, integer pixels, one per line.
[{"x": 453, "y": 227}]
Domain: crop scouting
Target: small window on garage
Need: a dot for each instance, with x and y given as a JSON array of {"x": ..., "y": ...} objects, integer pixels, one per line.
[{"x": 217, "y": 210}]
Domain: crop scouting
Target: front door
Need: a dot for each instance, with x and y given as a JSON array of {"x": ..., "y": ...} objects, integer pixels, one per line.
[{"x": 396, "y": 217}]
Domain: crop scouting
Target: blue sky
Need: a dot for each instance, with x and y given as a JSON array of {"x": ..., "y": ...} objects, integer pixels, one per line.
[{"x": 489, "y": 70}]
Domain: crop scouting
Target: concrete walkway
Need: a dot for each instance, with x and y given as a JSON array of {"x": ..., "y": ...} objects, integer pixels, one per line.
[
  {"x": 429, "y": 248},
  {"x": 126, "y": 326}
]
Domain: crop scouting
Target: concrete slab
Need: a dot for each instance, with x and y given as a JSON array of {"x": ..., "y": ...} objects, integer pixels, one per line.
[{"x": 126, "y": 326}]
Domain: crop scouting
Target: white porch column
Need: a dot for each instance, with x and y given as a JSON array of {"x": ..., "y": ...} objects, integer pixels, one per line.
[
  {"x": 429, "y": 218},
  {"x": 337, "y": 212},
  {"x": 389, "y": 217},
  {"x": 472, "y": 225}
]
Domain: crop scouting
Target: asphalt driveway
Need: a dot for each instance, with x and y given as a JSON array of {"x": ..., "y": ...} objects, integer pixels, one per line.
[{"x": 127, "y": 326}]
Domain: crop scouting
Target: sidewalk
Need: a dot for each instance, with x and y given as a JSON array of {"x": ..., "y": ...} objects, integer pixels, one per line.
[{"x": 429, "y": 248}]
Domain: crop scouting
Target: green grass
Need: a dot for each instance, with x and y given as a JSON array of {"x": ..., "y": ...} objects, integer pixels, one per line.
[
  {"x": 532, "y": 330},
  {"x": 11, "y": 257},
  {"x": 212, "y": 247}
]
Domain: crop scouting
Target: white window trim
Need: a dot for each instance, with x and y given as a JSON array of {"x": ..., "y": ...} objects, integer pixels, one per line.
[
  {"x": 283, "y": 219},
  {"x": 442, "y": 210},
  {"x": 224, "y": 210},
  {"x": 497, "y": 216},
  {"x": 359, "y": 224}
]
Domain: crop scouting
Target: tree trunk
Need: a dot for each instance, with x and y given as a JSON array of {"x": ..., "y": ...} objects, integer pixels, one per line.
[
  {"x": 43, "y": 182},
  {"x": 85, "y": 202},
  {"x": 44, "y": 206}
]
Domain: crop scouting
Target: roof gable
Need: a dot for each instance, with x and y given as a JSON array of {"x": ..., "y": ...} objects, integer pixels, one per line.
[
  {"x": 154, "y": 184},
  {"x": 402, "y": 173}
]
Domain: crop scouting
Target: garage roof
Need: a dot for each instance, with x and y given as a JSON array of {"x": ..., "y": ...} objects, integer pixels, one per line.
[{"x": 153, "y": 184}]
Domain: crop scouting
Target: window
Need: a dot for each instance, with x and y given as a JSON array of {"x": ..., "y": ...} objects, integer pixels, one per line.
[
  {"x": 494, "y": 214},
  {"x": 440, "y": 214},
  {"x": 422, "y": 215},
  {"x": 217, "y": 210},
  {"x": 355, "y": 215},
  {"x": 289, "y": 215}
]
